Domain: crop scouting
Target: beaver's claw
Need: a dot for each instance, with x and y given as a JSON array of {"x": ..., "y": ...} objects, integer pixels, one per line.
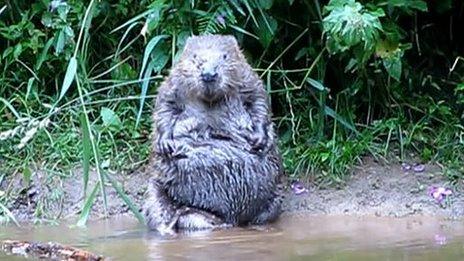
[{"x": 170, "y": 148}]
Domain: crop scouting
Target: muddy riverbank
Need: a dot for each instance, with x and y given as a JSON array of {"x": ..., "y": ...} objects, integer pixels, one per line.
[{"x": 374, "y": 189}]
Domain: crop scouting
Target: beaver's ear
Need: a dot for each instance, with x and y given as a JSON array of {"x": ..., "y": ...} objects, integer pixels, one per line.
[
  {"x": 190, "y": 40},
  {"x": 230, "y": 39}
]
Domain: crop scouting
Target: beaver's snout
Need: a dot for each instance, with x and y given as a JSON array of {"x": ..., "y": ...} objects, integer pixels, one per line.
[{"x": 209, "y": 74}]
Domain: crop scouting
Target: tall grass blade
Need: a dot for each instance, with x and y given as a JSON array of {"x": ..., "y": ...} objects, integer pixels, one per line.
[
  {"x": 132, "y": 20},
  {"x": 316, "y": 84},
  {"x": 330, "y": 112},
  {"x": 146, "y": 72},
  {"x": 9, "y": 106},
  {"x": 116, "y": 54},
  {"x": 9, "y": 214},
  {"x": 86, "y": 152},
  {"x": 143, "y": 95},
  {"x": 125, "y": 198},
  {"x": 30, "y": 82},
  {"x": 43, "y": 54},
  {"x": 243, "y": 31},
  {"x": 93, "y": 146},
  {"x": 84, "y": 216},
  {"x": 250, "y": 11}
]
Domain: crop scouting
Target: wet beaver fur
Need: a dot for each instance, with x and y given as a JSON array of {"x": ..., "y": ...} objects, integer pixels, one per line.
[{"x": 216, "y": 161}]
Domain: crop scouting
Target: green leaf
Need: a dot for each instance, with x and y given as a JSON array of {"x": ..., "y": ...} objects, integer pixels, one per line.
[
  {"x": 110, "y": 118},
  {"x": 266, "y": 29},
  {"x": 325, "y": 156},
  {"x": 155, "y": 16},
  {"x": 460, "y": 87},
  {"x": 393, "y": 67},
  {"x": 69, "y": 77},
  {"x": 316, "y": 84},
  {"x": 265, "y": 4},
  {"x": 86, "y": 151},
  {"x": 349, "y": 25},
  {"x": 43, "y": 55},
  {"x": 160, "y": 57},
  {"x": 69, "y": 31},
  {"x": 150, "y": 46},
  {"x": 27, "y": 174},
  {"x": 47, "y": 19},
  {"x": 30, "y": 83},
  {"x": 391, "y": 54},
  {"x": 59, "y": 42},
  {"x": 7, "y": 52},
  {"x": 17, "y": 51}
]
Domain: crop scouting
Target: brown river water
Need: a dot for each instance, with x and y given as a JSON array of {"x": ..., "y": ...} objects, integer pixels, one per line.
[{"x": 296, "y": 237}]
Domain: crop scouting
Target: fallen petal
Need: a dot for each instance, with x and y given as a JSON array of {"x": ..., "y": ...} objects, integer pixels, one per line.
[
  {"x": 439, "y": 193},
  {"x": 440, "y": 190},
  {"x": 447, "y": 192},
  {"x": 432, "y": 189},
  {"x": 405, "y": 166},
  {"x": 437, "y": 196},
  {"x": 298, "y": 188},
  {"x": 419, "y": 168},
  {"x": 440, "y": 239}
]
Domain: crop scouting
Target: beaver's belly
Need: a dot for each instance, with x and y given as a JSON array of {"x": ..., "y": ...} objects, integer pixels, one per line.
[{"x": 229, "y": 183}]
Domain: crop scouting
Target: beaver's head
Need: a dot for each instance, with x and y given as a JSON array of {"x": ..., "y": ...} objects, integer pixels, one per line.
[{"x": 208, "y": 66}]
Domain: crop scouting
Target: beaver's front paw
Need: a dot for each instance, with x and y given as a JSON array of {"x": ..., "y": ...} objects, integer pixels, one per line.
[
  {"x": 258, "y": 141},
  {"x": 164, "y": 146},
  {"x": 171, "y": 148}
]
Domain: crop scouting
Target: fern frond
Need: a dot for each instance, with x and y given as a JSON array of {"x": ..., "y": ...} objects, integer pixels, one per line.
[{"x": 216, "y": 19}]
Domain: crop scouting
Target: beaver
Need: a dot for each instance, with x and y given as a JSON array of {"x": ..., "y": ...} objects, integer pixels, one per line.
[
  {"x": 168, "y": 217},
  {"x": 215, "y": 159}
]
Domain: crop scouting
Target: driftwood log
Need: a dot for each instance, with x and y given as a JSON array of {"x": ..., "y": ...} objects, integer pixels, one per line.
[{"x": 48, "y": 251}]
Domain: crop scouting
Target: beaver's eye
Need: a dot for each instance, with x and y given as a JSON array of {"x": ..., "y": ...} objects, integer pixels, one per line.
[
  {"x": 194, "y": 56},
  {"x": 224, "y": 56}
]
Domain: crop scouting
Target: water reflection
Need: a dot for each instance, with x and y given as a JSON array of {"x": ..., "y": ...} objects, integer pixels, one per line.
[{"x": 294, "y": 237}]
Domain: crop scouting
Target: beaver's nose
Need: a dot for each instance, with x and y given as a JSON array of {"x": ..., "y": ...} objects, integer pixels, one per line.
[
  {"x": 209, "y": 72},
  {"x": 209, "y": 75}
]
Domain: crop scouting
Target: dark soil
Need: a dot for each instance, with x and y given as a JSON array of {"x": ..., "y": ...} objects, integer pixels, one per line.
[{"x": 374, "y": 189}]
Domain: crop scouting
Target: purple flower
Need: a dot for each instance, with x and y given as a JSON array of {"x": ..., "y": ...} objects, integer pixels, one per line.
[
  {"x": 405, "y": 166},
  {"x": 439, "y": 193},
  {"x": 419, "y": 168},
  {"x": 440, "y": 239},
  {"x": 298, "y": 188},
  {"x": 415, "y": 167}
]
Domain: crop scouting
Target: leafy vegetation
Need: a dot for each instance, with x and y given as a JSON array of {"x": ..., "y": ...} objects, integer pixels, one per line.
[{"x": 347, "y": 79}]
